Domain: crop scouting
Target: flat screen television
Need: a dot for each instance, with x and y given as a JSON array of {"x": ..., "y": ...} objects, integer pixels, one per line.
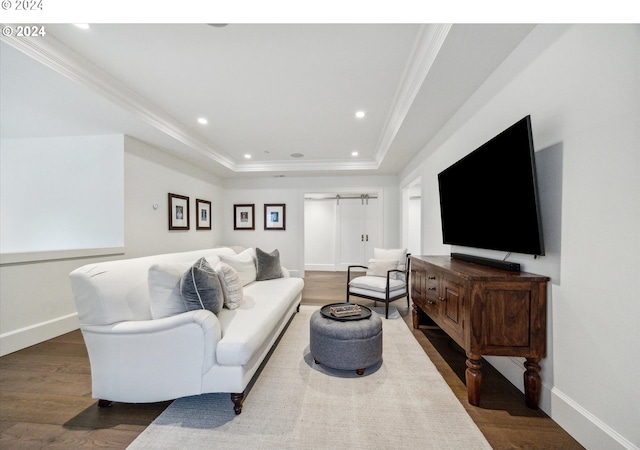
[{"x": 489, "y": 199}]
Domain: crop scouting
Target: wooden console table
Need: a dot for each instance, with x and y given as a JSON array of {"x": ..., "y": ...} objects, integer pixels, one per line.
[{"x": 487, "y": 311}]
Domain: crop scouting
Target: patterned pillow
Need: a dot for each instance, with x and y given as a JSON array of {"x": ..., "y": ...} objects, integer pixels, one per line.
[
  {"x": 231, "y": 285},
  {"x": 268, "y": 265},
  {"x": 200, "y": 288}
]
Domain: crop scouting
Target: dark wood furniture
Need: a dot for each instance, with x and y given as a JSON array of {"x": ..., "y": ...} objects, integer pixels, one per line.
[{"x": 487, "y": 311}]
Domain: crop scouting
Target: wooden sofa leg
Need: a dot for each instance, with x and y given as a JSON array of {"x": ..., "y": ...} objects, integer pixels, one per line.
[
  {"x": 104, "y": 403},
  {"x": 237, "y": 400}
]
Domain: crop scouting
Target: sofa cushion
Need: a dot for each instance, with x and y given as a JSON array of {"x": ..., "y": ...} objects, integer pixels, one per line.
[
  {"x": 268, "y": 265},
  {"x": 244, "y": 263},
  {"x": 200, "y": 288},
  {"x": 165, "y": 299},
  {"x": 246, "y": 329},
  {"x": 231, "y": 285}
]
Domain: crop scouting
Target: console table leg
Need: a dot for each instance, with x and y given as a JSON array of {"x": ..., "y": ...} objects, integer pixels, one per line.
[
  {"x": 415, "y": 314},
  {"x": 473, "y": 377},
  {"x": 532, "y": 383}
]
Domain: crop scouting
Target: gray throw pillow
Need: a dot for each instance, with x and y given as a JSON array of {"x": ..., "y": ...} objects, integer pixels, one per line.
[
  {"x": 268, "y": 265},
  {"x": 200, "y": 288}
]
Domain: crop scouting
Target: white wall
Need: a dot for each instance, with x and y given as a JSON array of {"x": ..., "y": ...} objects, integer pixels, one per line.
[
  {"x": 150, "y": 175},
  {"x": 61, "y": 193},
  {"x": 291, "y": 190},
  {"x": 580, "y": 85},
  {"x": 36, "y": 302}
]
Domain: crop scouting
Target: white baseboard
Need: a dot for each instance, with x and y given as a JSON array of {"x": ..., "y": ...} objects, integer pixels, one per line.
[
  {"x": 321, "y": 267},
  {"x": 35, "y": 334},
  {"x": 583, "y": 426}
]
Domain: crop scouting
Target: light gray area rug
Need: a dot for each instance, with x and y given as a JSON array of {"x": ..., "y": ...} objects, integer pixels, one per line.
[{"x": 402, "y": 402}]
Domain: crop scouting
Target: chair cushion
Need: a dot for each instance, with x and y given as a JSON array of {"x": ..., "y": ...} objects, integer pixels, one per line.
[
  {"x": 399, "y": 254},
  {"x": 380, "y": 267},
  {"x": 398, "y": 293},
  {"x": 378, "y": 284}
]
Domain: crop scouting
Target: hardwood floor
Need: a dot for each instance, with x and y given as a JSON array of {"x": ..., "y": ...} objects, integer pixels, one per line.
[{"x": 45, "y": 393}]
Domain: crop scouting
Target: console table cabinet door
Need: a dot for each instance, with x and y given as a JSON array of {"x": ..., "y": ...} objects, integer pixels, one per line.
[
  {"x": 452, "y": 319},
  {"x": 506, "y": 319}
]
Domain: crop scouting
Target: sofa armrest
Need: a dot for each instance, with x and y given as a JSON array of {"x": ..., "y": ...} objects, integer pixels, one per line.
[
  {"x": 285, "y": 272},
  {"x": 152, "y": 360}
]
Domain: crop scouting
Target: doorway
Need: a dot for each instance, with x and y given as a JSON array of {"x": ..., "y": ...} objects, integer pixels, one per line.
[
  {"x": 340, "y": 230},
  {"x": 412, "y": 217}
]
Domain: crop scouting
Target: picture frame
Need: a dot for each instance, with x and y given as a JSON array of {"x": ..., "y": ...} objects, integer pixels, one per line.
[
  {"x": 178, "y": 212},
  {"x": 275, "y": 217},
  {"x": 244, "y": 217},
  {"x": 203, "y": 214}
]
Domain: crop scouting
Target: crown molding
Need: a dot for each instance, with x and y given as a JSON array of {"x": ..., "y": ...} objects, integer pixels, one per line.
[
  {"x": 426, "y": 47},
  {"x": 52, "y": 53}
]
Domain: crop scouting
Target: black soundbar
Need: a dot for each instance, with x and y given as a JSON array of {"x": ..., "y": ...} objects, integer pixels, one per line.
[{"x": 498, "y": 264}]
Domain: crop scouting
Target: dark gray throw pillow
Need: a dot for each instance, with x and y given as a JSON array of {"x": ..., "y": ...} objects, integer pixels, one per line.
[
  {"x": 268, "y": 265},
  {"x": 201, "y": 289}
]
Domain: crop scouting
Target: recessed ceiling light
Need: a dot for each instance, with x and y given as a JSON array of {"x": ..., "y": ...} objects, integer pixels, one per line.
[
  {"x": 247, "y": 156},
  {"x": 297, "y": 155},
  {"x": 360, "y": 114},
  {"x": 354, "y": 153},
  {"x": 84, "y": 26},
  {"x": 202, "y": 121}
]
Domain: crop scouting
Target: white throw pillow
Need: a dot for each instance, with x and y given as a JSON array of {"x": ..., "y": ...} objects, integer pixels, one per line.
[
  {"x": 244, "y": 263},
  {"x": 213, "y": 260},
  {"x": 165, "y": 299},
  {"x": 379, "y": 267},
  {"x": 231, "y": 285},
  {"x": 399, "y": 254}
]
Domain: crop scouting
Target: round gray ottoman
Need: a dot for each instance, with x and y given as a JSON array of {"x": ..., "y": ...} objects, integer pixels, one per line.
[{"x": 349, "y": 345}]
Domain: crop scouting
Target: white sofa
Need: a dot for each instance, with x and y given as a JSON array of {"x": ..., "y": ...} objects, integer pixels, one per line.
[{"x": 137, "y": 359}]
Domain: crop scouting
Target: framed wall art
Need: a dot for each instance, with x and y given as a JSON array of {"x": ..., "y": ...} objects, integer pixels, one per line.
[
  {"x": 178, "y": 212},
  {"x": 203, "y": 211},
  {"x": 275, "y": 216},
  {"x": 243, "y": 217}
]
